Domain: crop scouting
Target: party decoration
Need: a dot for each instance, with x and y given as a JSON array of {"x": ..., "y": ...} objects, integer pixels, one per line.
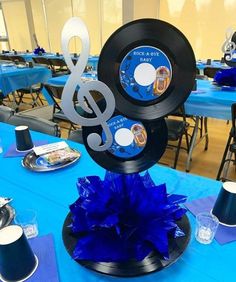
[
  {"x": 149, "y": 66},
  {"x": 39, "y": 51},
  {"x": 124, "y": 217},
  {"x": 76, "y": 27},
  {"x": 228, "y": 47},
  {"x": 226, "y": 77}
]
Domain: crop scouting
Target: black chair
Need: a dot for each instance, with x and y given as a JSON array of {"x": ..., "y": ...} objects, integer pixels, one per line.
[
  {"x": 59, "y": 67},
  {"x": 4, "y": 58},
  {"x": 177, "y": 128},
  {"x": 55, "y": 92},
  {"x": 17, "y": 59},
  {"x": 210, "y": 71},
  {"x": 36, "y": 124},
  {"x": 42, "y": 61},
  {"x": 230, "y": 149},
  {"x": 76, "y": 136},
  {"x": 5, "y": 113}
]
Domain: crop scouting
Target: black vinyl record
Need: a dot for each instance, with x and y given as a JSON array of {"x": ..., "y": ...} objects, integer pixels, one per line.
[
  {"x": 150, "y": 67},
  {"x": 136, "y": 145},
  {"x": 153, "y": 262}
]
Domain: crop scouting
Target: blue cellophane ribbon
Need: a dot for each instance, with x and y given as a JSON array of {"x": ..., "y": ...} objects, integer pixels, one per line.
[
  {"x": 226, "y": 77},
  {"x": 124, "y": 217},
  {"x": 38, "y": 50}
]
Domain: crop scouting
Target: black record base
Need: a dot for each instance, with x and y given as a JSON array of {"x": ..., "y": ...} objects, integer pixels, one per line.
[{"x": 153, "y": 262}]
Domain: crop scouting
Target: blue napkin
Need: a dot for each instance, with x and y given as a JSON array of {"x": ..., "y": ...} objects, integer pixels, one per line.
[
  {"x": 224, "y": 234},
  {"x": 43, "y": 248},
  {"x": 12, "y": 152}
]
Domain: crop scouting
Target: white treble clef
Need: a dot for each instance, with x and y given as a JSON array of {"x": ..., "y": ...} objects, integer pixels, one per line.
[
  {"x": 229, "y": 46},
  {"x": 76, "y": 27}
]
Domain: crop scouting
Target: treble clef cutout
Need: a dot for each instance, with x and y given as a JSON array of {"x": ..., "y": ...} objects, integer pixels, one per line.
[
  {"x": 76, "y": 27},
  {"x": 229, "y": 46}
]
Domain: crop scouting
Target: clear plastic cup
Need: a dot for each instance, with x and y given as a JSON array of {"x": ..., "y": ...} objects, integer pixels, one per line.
[
  {"x": 27, "y": 219},
  {"x": 206, "y": 226}
]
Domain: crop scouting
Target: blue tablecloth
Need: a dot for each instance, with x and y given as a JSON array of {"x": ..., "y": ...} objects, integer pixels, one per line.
[
  {"x": 13, "y": 77},
  {"x": 202, "y": 65},
  {"x": 207, "y": 101},
  {"x": 50, "y": 194},
  {"x": 210, "y": 101}
]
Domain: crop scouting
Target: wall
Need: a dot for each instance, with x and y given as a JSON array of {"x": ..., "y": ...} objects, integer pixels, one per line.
[
  {"x": 203, "y": 22},
  {"x": 17, "y": 24}
]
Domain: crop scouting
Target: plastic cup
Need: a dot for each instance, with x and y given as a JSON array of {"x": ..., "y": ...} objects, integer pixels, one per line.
[
  {"x": 206, "y": 227},
  {"x": 17, "y": 260},
  {"x": 27, "y": 219}
]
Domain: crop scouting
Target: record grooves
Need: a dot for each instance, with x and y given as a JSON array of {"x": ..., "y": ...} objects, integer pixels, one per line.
[
  {"x": 153, "y": 262},
  {"x": 156, "y": 141},
  {"x": 128, "y": 42}
]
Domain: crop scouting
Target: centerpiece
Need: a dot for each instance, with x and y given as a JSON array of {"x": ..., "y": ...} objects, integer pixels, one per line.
[{"x": 126, "y": 225}]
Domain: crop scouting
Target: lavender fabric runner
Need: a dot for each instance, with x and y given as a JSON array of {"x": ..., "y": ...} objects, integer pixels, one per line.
[
  {"x": 43, "y": 248},
  {"x": 224, "y": 234},
  {"x": 12, "y": 152}
]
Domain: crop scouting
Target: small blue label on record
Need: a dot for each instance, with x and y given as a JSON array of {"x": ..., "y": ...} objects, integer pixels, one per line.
[
  {"x": 145, "y": 73},
  {"x": 129, "y": 137}
]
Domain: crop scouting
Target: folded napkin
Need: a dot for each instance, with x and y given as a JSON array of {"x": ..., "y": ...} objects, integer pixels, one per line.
[
  {"x": 224, "y": 234},
  {"x": 43, "y": 248},
  {"x": 12, "y": 152}
]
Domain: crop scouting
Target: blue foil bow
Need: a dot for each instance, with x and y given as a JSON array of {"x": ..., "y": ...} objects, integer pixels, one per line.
[
  {"x": 226, "y": 77},
  {"x": 124, "y": 217},
  {"x": 38, "y": 50}
]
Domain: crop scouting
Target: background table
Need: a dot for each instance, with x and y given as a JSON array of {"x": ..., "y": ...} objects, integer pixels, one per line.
[
  {"x": 210, "y": 101},
  {"x": 13, "y": 77},
  {"x": 50, "y": 195}
]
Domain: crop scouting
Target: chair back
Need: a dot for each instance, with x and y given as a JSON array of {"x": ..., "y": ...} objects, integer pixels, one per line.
[
  {"x": 55, "y": 91},
  {"x": 17, "y": 59},
  {"x": 233, "y": 116},
  {"x": 5, "y": 113},
  {"x": 36, "y": 124},
  {"x": 210, "y": 71},
  {"x": 42, "y": 61},
  {"x": 58, "y": 63},
  {"x": 76, "y": 136},
  {"x": 4, "y": 58}
]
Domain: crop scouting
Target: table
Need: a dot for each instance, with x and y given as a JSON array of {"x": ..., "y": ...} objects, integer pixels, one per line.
[
  {"x": 201, "y": 65},
  {"x": 92, "y": 60},
  {"x": 50, "y": 194},
  {"x": 13, "y": 77},
  {"x": 207, "y": 101}
]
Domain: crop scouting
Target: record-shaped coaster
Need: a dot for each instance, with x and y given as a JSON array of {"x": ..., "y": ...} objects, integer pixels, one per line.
[
  {"x": 150, "y": 67},
  {"x": 136, "y": 145}
]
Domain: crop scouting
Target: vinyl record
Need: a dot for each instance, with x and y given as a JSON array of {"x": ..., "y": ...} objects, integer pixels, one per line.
[
  {"x": 150, "y": 67},
  {"x": 153, "y": 262},
  {"x": 136, "y": 145}
]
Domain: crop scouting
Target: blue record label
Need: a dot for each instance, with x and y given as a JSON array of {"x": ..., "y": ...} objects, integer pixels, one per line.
[
  {"x": 129, "y": 137},
  {"x": 145, "y": 73}
]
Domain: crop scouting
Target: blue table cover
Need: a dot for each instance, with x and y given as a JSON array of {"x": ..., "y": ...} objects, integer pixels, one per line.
[
  {"x": 210, "y": 101},
  {"x": 13, "y": 77},
  {"x": 207, "y": 101},
  {"x": 50, "y": 195},
  {"x": 92, "y": 60}
]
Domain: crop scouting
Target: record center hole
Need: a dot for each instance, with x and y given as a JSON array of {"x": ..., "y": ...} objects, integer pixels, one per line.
[
  {"x": 145, "y": 74},
  {"x": 124, "y": 137}
]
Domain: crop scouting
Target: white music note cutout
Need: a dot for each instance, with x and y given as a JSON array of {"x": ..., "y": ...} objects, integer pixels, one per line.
[
  {"x": 76, "y": 27},
  {"x": 228, "y": 46}
]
